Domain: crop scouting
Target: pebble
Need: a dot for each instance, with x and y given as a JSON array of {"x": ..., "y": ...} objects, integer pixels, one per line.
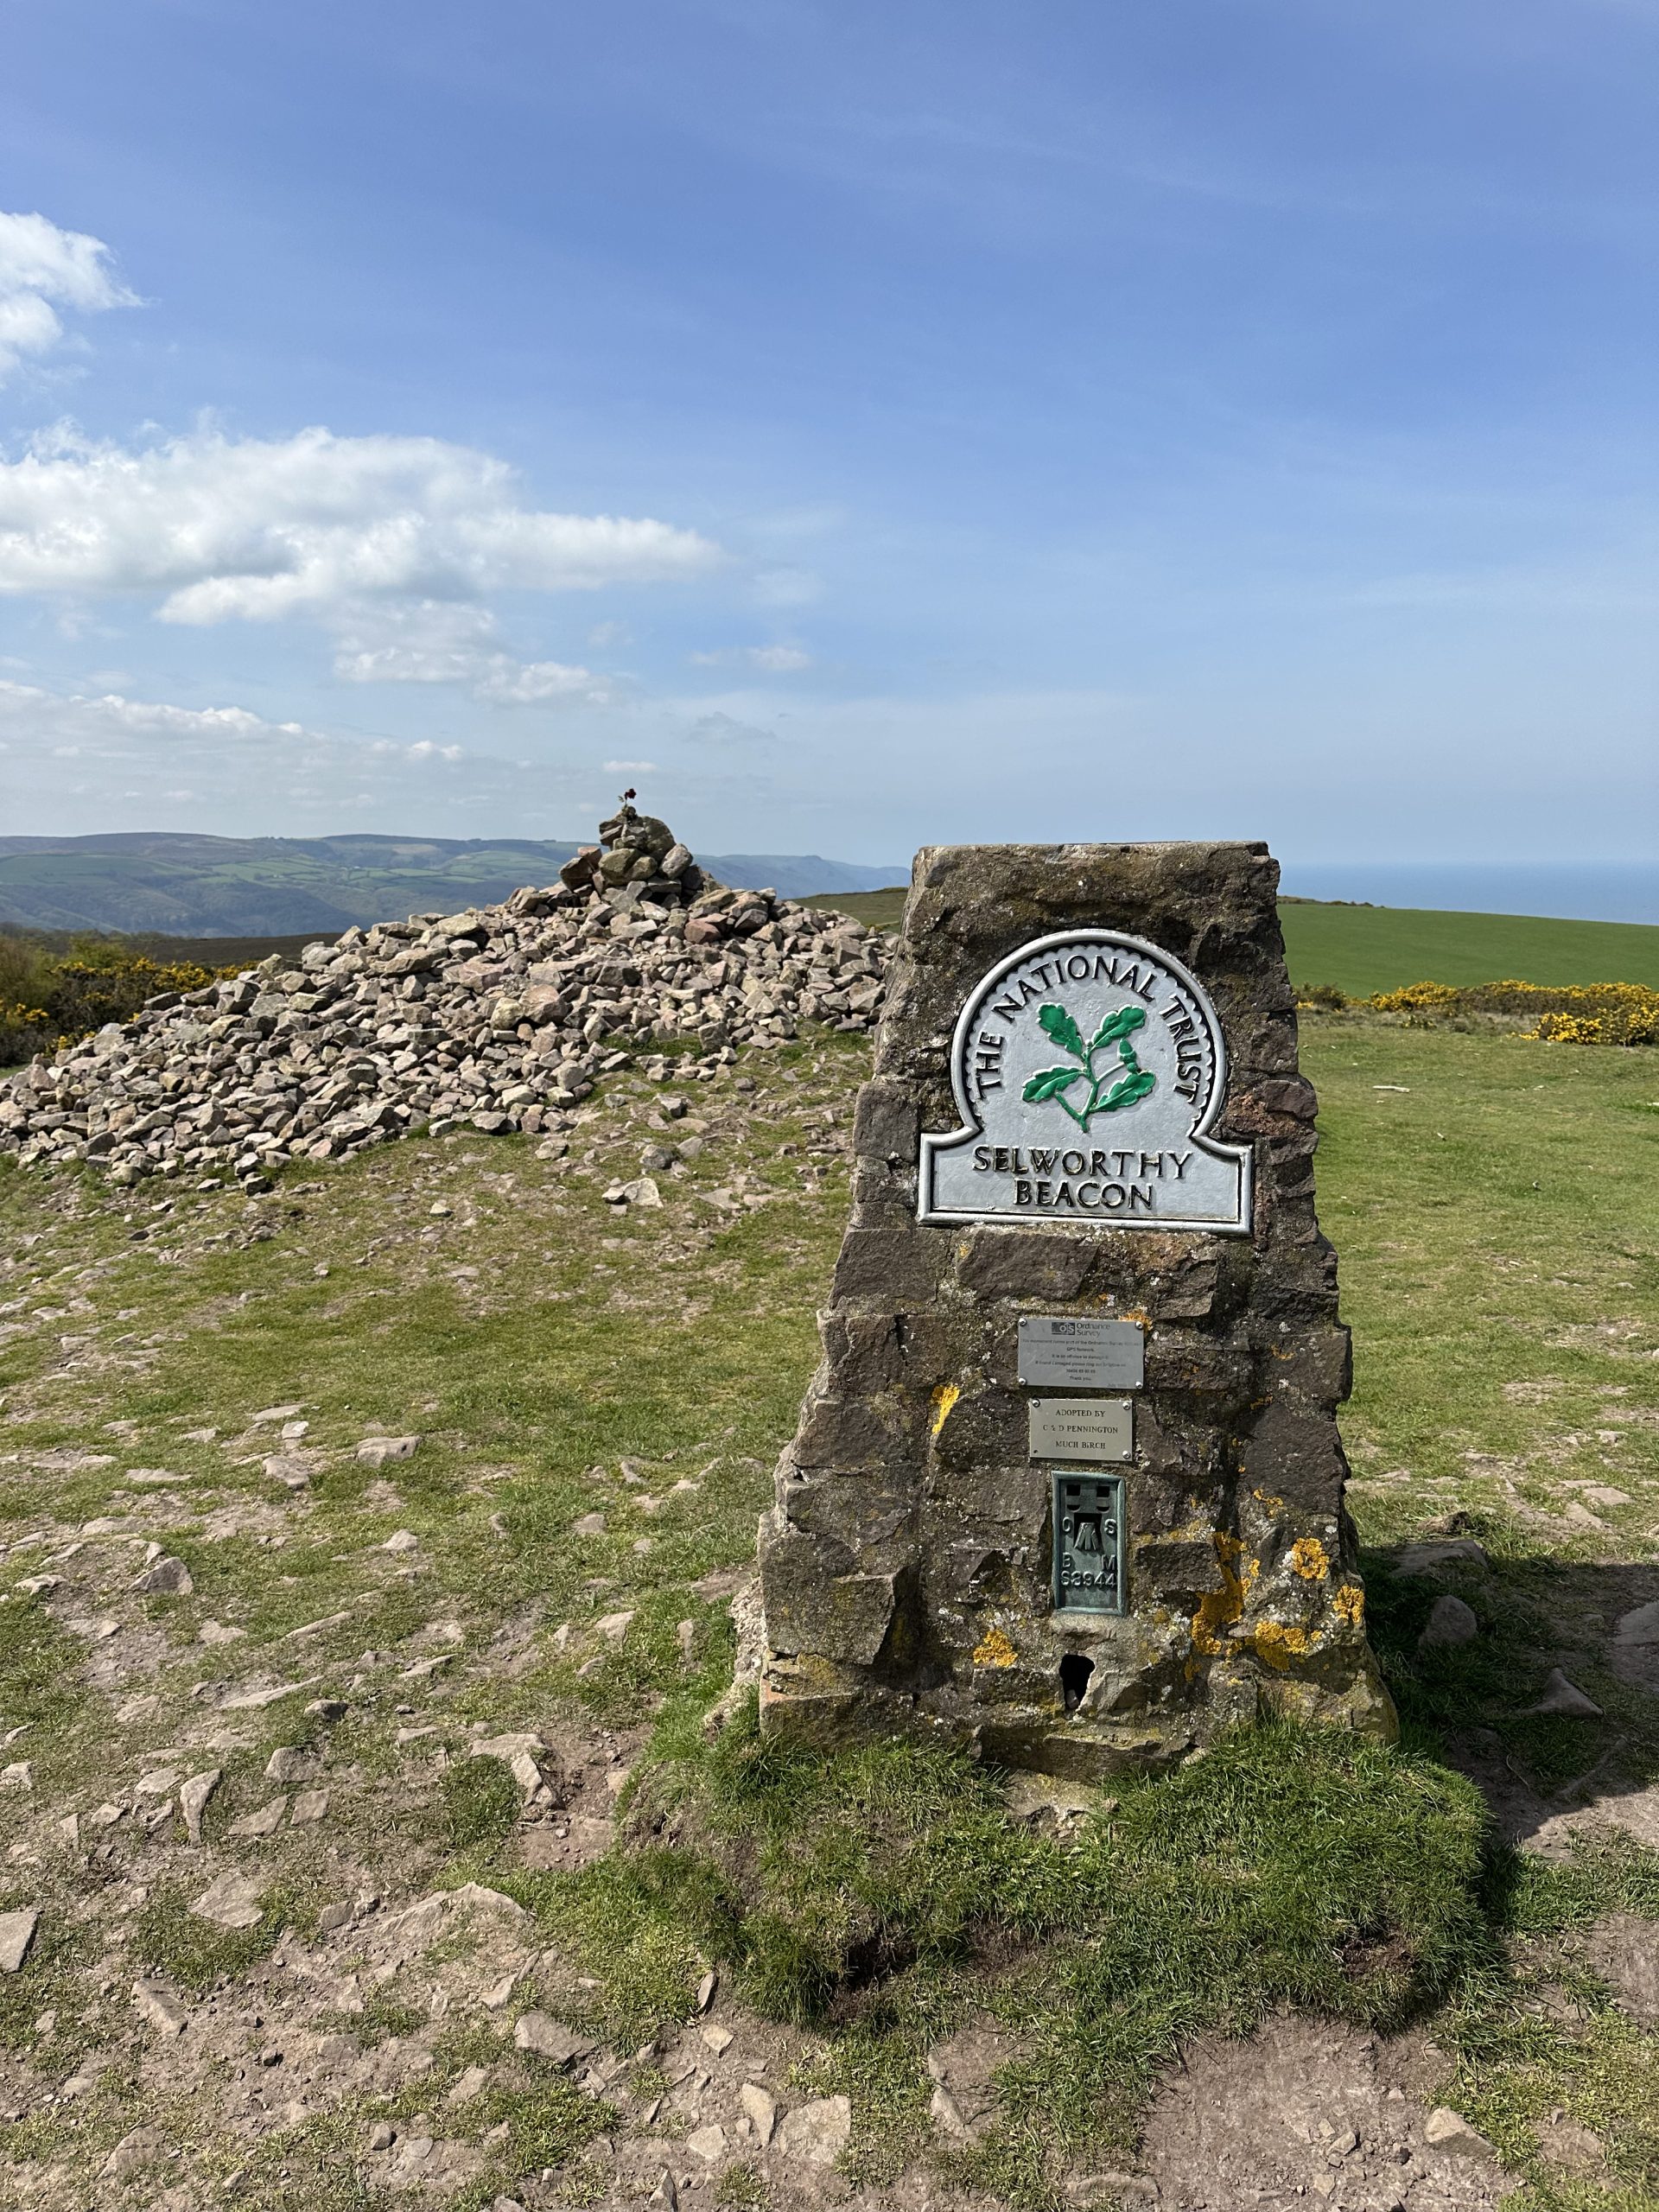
[{"x": 1450, "y": 2130}]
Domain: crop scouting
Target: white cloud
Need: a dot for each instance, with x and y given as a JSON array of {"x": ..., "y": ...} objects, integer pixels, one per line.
[
  {"x": 437, "y": 641},
  {"x": 111, "y": 762},
  {"x": 777, "y": 660},
  {"x": 629, "y": 767},
  {"x": 41, "y": 268},
  {"x": 259, "y": 529}
]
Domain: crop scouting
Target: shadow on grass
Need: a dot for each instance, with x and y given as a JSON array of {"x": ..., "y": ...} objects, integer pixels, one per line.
[{"x": 1476, "y": 1703}]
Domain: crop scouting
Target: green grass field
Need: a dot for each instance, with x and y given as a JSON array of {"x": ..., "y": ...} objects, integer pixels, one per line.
[
  {"x": 1495, "y": 1205},
  {"x": 1363, "y": 949}
]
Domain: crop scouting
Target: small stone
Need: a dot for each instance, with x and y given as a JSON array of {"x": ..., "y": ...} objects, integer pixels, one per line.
[
  {"x": 707, "y": 2144},
  {"x": 309, "y": 1805},
  {"x": 193, "y": 1801},
  {"x": 160, "y": 2009},
  {"x": 168, "y": 1578},
  {"x": 590, "y": 1524},
  {"x": 1562, "y": 1696},
  {"x": 402, "y": 1539},
  {"x": 718, "y": 2039},
  {"x": 230, "y": 1902},
  {"x": 293, "y": 1763},
  {"x": 1431, "y": 1558},
  {"x": 612, "y": 1626},
  {"x": 1449, "y": 2130},
  {"x": 761, "y": 2109},
  {"x": 469, "y": 2085},
  {"x": 706, "y": 1989},
  {"x": 376, "y": 1451},
  {"x": 540, "y": 2033},
  {"x": 1451, "y": 1621},
  {"x": 20, "y": 1775},
  {"x": 17, "y": 1934},
  {"x": 265, "y": 1821},
  {"x": 819, "y": 2131},
  {"x": 664, "y": 2198},
  {"x": 327, "y": 1708},
  {"x": 158, "y": 1782},
  {"x": 273, "y": 1412},
  {"x": 334, "y": 1917},
  {"x": 382, "y": 2135}
]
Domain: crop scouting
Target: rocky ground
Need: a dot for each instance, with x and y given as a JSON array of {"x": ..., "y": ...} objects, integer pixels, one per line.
[{"x": 356, "y": 1534}]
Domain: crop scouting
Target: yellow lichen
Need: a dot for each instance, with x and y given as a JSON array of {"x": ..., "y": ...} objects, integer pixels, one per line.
[
  {"x": 1219, "y": 1609},
  {"x": 1278, "y": 1645},
  {"x": 994, "y": 1649},
  {"x": 1309, "y": 1559},
  {"x": 944, "y": 1398},
  {"x": 1348, "y": 1603}
]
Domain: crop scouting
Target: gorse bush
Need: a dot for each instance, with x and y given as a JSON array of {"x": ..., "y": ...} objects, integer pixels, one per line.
[
  {"x": 1561, "y": 1013},
  {"x": 49, "y": 998}
]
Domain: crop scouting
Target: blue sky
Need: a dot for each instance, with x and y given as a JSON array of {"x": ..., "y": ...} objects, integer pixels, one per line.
[{"x": 1068, "y": 418}]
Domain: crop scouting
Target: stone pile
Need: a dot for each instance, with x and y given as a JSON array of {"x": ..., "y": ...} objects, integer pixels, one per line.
[{"x": 500, "y": 1017}]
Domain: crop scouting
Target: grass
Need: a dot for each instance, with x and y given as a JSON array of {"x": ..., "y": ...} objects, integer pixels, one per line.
[
  {"x": 1497, "y": 1212},
  {"x": 885, "y": 1892},
  {"x": 1365, "y": 949}
]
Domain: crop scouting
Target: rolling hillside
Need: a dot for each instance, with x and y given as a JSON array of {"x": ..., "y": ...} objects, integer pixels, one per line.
[{"x": 180, "y": 885}]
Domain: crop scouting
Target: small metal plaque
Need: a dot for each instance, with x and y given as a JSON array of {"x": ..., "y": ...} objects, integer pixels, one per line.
[
  {"x": 1098, "y": 1430},
  {"x": 1082, "y": 1354},
  {"x": 1089, "y": 1516}
]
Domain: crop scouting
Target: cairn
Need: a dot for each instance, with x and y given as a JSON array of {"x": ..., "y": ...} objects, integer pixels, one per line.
[{"x": 499, "y": 1018}]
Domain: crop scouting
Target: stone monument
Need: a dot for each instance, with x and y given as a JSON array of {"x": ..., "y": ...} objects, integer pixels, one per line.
[{"x": 1067, "y": 1484}]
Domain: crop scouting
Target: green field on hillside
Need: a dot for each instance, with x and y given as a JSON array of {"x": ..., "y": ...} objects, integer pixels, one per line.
[
  {"x": 1363, "y": 949},
  {"x": 1366, "y": 949}
]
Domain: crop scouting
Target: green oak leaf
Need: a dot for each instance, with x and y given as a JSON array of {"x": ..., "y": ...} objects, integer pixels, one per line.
[
  {"x": 1118, "y": 1025},
  {"x": 1065, "y": 1032},
  {"x": 1132, "y": 1087},
  {"x": 1049, "y": 1082}
]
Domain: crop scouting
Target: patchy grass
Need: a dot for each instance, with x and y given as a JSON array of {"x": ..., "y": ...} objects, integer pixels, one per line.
[
  {"x": 1495, "y": 1214},
  {"x": 884, "y": 1891}
]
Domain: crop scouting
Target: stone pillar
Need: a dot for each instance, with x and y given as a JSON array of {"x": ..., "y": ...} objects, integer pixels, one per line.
[{"x": 1085, "y": 1108}]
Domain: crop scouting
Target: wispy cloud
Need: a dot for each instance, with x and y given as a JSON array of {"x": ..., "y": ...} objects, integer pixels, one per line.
[{"x": 41, "y": 270}]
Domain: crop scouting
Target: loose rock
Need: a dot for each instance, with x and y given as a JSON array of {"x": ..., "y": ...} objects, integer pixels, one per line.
[
  {"x": 17, "y": 1934},
  {"x": 818, "y": 2132},
  {"x": 1450, "y": 1622}
]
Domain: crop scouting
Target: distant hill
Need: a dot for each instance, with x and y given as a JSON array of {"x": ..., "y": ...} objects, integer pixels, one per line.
[{"x": 180, "y": 884}]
